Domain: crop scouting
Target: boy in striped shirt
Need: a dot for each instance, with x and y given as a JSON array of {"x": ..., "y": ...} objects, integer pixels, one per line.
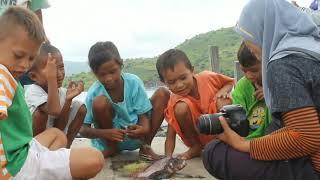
[{"x": 21, "y": 155}]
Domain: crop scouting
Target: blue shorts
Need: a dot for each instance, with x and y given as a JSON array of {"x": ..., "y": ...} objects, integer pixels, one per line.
[{"x": 127, "y": 144}]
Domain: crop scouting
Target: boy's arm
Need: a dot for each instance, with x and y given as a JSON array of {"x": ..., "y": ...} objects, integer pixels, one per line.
[
  {"x": 62, "y": 120},
  {"x": 72, "y": 91},
  {"x": 8, "y": 86},
  {"x": 170, "y": 141},
  {"x": 52, "y": 107},
  {"x": 142, "y": 106},
  {"x": 140, "y": 129},
  {"x": 224, "y": 92},
  {"x": 107, "y": 134},
  {"x": 88, "y": 132},
  {"x": 223, "y": 95},
  {"x": 1, "y": 174}
]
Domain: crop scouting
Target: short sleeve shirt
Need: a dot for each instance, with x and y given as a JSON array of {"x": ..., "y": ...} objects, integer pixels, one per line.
[{"x": 135, "y": 102}]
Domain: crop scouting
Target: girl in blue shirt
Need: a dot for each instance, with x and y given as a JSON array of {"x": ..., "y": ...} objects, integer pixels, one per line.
[{"x": 118, "y": 107}]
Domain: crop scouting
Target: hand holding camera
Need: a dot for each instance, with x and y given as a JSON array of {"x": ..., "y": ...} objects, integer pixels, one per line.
[
  {"x": 235, "y": 116},
  {"x": 230, "y": 125}
]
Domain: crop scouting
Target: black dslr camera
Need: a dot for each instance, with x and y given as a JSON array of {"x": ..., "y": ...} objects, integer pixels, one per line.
[{"x": 235, "y": 116}]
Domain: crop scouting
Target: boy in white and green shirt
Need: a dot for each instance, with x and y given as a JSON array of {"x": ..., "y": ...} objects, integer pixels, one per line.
[{"x": 24, "y": 157}]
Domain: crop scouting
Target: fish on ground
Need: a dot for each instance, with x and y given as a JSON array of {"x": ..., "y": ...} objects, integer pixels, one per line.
[{"x": 161, "y": 169}]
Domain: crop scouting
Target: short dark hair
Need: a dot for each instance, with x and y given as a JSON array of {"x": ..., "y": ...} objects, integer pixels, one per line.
[
  {"x": 169, "y": 59},
  {"x": 17, "y": 16},
  {"x": 41, "y": 58},
  {"x": 245, "y": 57},
  {"x": 102, "y": 52}
]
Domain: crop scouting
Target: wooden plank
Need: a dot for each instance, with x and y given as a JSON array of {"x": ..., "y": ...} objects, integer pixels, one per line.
[
  {"x": 214, "y": 58},
  {"x": 238, "y": 74}
]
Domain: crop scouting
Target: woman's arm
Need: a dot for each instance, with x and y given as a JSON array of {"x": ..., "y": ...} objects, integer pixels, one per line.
[{"x": 300, "y": 137}]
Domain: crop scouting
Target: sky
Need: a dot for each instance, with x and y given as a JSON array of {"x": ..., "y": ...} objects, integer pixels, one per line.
[{"x": 139, "y": 28}]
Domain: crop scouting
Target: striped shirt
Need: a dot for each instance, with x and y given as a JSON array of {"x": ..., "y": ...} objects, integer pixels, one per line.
[
  {"x": 8, "y": 87},
  {"x": 300, "y": 137}
]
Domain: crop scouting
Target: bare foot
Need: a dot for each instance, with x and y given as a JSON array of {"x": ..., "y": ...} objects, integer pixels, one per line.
[
  {"x": 192, "y": 152},
  {"x": 113, "y": 150},
  {"x": 146, "y": 152}
]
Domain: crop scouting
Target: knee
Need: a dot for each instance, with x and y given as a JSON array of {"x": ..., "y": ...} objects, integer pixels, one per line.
[
  {"x": 101, "y": 104},
  {"x": 95, "y": 162},
  {"x": 163, "y": 94},
  {"x": 213, "y": 158},
  {"x": 60, "y": 137},
  {"x": 181, "y": 110},
  {"x": 82, "y": 111}
]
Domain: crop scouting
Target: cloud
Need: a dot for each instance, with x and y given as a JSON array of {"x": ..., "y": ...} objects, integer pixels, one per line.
[{"x": 140, "y": 28}]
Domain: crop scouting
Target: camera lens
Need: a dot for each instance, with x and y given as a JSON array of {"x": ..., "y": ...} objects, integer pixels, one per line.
[{"x": 210, "y": 124}]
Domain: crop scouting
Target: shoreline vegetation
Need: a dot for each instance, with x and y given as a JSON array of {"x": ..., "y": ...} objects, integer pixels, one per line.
[{"x": 196, "y": 48}]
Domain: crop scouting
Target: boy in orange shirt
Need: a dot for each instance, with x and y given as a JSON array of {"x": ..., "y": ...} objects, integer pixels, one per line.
[{"x": 192, "y": 95}]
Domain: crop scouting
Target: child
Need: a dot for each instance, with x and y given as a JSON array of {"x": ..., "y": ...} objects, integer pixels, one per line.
[
  {"x": 123, "y": 117},
  {"x": 249, "y": 94},
  {"x": 36, "y": 6},
  {"x": 192, "y": 95},
  {"x": 286, "y": 41},
  {"x": 50, "y": 104},
  {"x": 24, "y": 157}
]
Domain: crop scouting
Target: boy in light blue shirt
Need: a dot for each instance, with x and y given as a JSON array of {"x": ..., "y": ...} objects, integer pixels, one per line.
[
  {"x": 126, "y": 113},
  {"x": 119, "y": 114}
]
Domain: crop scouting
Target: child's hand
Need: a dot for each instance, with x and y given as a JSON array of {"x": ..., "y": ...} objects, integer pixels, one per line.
[
  {"x": 135, "y": 131},
  {"x": 115, "y": 134},
  {"x": 223, "y": 94},
  {"x": 259, "y": 92},
  {"x": 3, "y": 115},
  {"x": 222, "y": 102},
  {"x": 74, "y": 89},
  {"x": 51, "y": 67}
]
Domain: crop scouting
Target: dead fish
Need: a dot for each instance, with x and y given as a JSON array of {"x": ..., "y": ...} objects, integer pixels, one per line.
[{"x": 162, "y": 169}]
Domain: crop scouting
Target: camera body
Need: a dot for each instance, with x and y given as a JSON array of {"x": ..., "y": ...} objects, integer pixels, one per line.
[{"x": 235, "y": 116}]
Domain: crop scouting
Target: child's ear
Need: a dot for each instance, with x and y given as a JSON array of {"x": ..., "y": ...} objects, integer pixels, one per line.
[
  {"x": 121, "y": 64},
  {"x": 192, "y": 69},
  {"x": 32, "y": 75}
]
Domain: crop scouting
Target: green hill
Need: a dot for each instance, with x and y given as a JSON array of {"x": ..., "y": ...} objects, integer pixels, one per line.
[{"x": 197, "y": 50}]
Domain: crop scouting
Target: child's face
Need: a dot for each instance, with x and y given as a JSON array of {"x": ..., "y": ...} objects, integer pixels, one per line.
[
  {"x": 253, "y": 73},
  {"x": 40, "y": 77},
  {"x": 180, "y": 80},
  {"x": 17, "y": 52},
  {"x": 109, "y": 74}
]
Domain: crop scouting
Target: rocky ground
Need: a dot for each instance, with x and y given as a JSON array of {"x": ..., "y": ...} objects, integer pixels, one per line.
[{"x": 124, "y": 165}]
